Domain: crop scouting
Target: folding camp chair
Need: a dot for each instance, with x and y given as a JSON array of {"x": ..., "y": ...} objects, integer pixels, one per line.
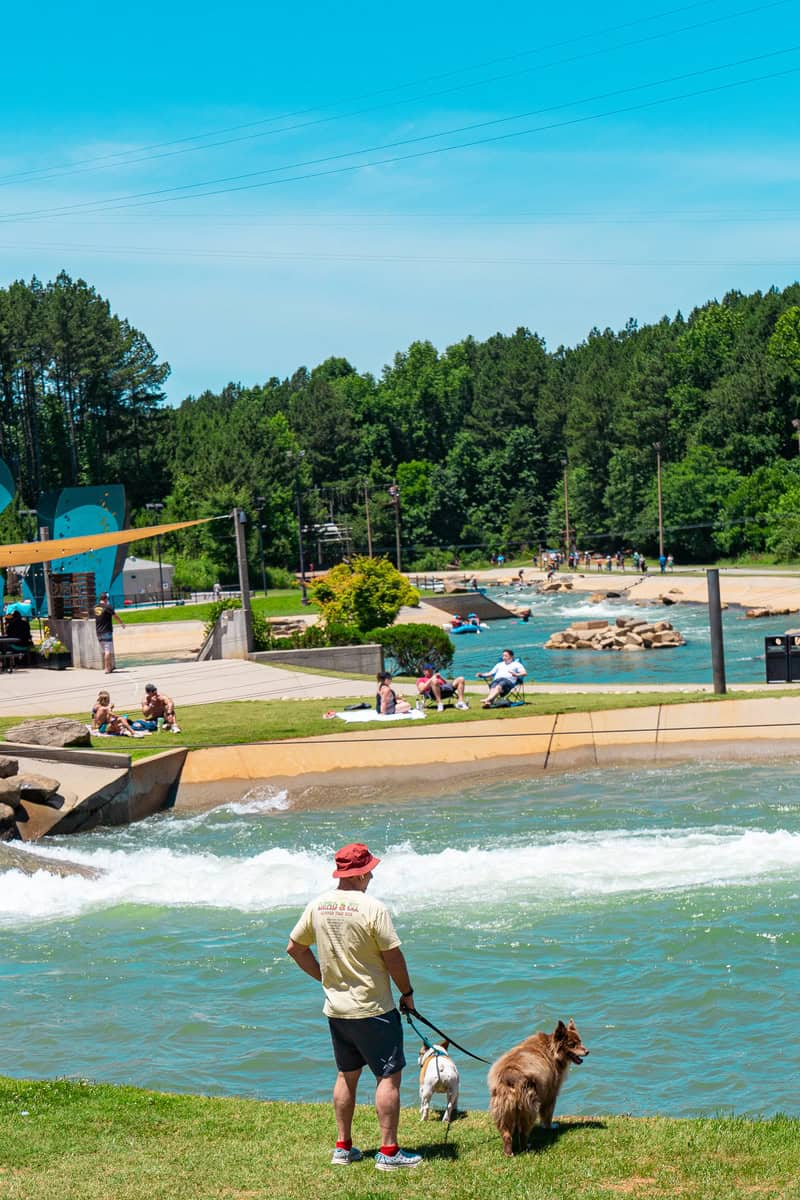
[{"x": 513, "y": 699}]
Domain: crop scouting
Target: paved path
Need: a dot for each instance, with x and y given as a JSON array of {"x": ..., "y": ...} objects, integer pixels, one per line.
[{"x": 35, "y": 692}]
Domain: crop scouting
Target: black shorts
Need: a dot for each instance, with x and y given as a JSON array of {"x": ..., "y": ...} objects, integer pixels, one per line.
[{"x": 375, "y": 1042}]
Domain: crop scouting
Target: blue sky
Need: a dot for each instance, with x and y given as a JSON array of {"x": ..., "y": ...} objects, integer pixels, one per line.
[{"x": 620, "y": 195}]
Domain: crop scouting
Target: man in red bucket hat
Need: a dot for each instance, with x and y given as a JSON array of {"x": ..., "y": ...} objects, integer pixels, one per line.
[{"x": 359, "y": 953}]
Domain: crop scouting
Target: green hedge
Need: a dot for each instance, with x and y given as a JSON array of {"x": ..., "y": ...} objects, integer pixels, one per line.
[{"x": 411, "y": 646}]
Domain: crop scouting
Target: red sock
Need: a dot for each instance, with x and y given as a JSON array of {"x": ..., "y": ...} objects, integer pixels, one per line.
[
  {"x": 348, "y": 1145},
  {"x": 390, "y": 1150}
]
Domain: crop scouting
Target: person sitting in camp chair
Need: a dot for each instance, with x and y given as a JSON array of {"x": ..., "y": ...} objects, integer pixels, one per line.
[
  {"x": 433, "y": 686},
  {"x": 504, "y": 676}
]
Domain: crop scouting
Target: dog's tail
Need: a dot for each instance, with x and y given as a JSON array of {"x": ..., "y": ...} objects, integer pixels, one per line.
[{"x": 512, "y": 1096}]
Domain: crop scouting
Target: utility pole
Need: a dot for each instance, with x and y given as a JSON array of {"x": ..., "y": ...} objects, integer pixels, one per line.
[
  {"x": 261, "y": 501},
  {"x": 295, "y": 459},
  {"x": 657, "y": 448},
  {"x": 239, "y": 522},
  {"x": 158, "y": 508},
  {"x": 394, "y": 492},
  {"x": 564, "y": 465},
  {"x": 369, "y": 522}
]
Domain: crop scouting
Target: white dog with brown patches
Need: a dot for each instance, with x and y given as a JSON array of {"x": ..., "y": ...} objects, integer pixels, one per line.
[{"x": 437, "y": 1073}]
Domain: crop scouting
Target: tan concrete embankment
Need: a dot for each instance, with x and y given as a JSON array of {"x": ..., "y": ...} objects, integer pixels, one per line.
[
  {"x": 735, "y": 730},
  {"x": 736, "y": 587}
]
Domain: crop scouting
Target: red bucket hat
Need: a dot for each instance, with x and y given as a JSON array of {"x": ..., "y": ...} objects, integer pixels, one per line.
[{"x": 355, "y": 859}]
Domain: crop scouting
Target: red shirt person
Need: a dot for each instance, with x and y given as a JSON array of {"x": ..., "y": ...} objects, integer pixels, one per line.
[{"x": 433, "y": 685}]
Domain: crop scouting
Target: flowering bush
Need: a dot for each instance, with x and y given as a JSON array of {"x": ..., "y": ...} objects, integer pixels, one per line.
[{"x": 52, "y": 645}]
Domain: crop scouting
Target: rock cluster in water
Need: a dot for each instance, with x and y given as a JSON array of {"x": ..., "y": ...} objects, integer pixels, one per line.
[
  {"x": 628, "y": 633},
  {"x": 769, "y": 612}
]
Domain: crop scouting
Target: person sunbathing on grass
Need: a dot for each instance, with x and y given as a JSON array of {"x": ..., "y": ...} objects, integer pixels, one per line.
[
  {"x": 156, "y": 706},
  {"x": 105, "y": 720}
]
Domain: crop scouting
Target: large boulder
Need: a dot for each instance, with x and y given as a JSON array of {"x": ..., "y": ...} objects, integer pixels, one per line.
[
  {"x": 9, "y": 792},
  {"x": 38, "y": 789},
  {"x": 54, "y": 731},
  {"x": 8, "y": 767}
]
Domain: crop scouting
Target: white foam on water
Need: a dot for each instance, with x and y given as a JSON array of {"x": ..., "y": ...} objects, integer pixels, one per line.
[
  {"x": 604, "y": 612},
  {"x": 260, "y": 799},
  {"x": 577, "y": 865}
]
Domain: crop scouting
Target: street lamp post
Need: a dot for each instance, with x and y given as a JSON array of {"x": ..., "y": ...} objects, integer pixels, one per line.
[
  {"x": 657, "y": 448},
  {"x": 34, "y": 577},
  {"x": 394, "y": 492},
  {"x": 158, "y": 508},
  {"x": 261, "y": 501},
  {"x": 295, "y": 459},
  {"x": 369, "y": 522},
  {"x": 564, "y": 465}
]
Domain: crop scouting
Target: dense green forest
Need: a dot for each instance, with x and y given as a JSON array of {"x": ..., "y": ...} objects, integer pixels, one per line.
[{"x": 477, "y": 438}]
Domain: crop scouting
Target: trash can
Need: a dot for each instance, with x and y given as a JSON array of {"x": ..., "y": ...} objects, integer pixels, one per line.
[
  {"x": 776, "y": 656},
  {"x": 793, "y": 650}
]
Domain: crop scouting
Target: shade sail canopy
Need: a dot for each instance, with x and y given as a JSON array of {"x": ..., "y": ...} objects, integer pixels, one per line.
[{"x": 26, "y": 553}]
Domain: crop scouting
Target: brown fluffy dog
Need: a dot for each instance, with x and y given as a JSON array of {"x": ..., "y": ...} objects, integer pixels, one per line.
[{"x": 524, "y": 1083}]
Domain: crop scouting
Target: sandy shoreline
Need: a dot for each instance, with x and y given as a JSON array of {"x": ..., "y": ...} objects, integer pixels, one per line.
[{"x": 750, "y": 590}]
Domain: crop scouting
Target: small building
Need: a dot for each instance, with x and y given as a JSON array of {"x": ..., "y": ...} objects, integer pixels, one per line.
[{"x": 141, "y": 580}]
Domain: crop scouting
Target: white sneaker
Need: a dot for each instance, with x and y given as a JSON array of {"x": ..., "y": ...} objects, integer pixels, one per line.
[
  {"x": 343, "y": 1158},
  {"x": 395, "y": 1162},
  {"x": 461, "y": 704},
  {"x": 440, "y": 708}
]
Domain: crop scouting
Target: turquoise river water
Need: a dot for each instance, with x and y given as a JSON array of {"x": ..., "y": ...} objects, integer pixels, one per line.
[
  {"x": 657, "y": 908},
  {"x": 691, "y": 663}
]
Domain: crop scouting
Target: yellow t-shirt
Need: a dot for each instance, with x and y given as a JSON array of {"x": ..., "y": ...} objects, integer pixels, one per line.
[{"x": 350, "y": 930}]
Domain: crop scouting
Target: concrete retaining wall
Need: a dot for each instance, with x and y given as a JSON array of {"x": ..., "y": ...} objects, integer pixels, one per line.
[
  {"x": 355, "y": 660},
  {"x": 659, "y": 735},
  {"x": 228, "y": 638}
]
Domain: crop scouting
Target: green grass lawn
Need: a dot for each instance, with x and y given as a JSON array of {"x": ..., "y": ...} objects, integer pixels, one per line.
[
  {"x": 238, "y": 722},
  {"x": 285, "y": 602},
  {"x": 77, "y": 1141}
]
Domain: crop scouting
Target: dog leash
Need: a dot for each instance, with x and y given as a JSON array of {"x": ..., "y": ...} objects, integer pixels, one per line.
[{"x": 441, "y": 1033}]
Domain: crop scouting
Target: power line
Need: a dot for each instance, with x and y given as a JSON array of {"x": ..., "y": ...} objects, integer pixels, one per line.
[
  {"x": 46, "y": 174},
  {"x": 123, "y": 155},
  {"x": 443, "y": 260},
  {"x": 170, "y": 193}
]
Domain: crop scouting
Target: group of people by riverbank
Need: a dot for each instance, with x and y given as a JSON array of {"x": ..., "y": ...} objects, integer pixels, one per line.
[{"x": 158, "y": 712}]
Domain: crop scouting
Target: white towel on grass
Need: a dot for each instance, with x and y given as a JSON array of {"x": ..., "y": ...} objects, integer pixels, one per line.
[{"x": 369, "y": 714}]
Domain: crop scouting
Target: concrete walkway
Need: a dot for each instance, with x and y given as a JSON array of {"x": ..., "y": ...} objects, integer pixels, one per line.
[{"x": 35, "y": 692}]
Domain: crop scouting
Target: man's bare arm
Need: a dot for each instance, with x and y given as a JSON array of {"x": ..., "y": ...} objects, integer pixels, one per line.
[
  {"x": 396, "y": 966},
  {"x": 304, "y": 957}
]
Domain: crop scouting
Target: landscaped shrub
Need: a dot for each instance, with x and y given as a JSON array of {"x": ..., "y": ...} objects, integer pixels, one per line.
[
  {"x": 339, "y": 634},
  {"x": 411, "y": 646},
  {"x": 279, "y": 577},
  {"x": 366, "y": 592}
]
